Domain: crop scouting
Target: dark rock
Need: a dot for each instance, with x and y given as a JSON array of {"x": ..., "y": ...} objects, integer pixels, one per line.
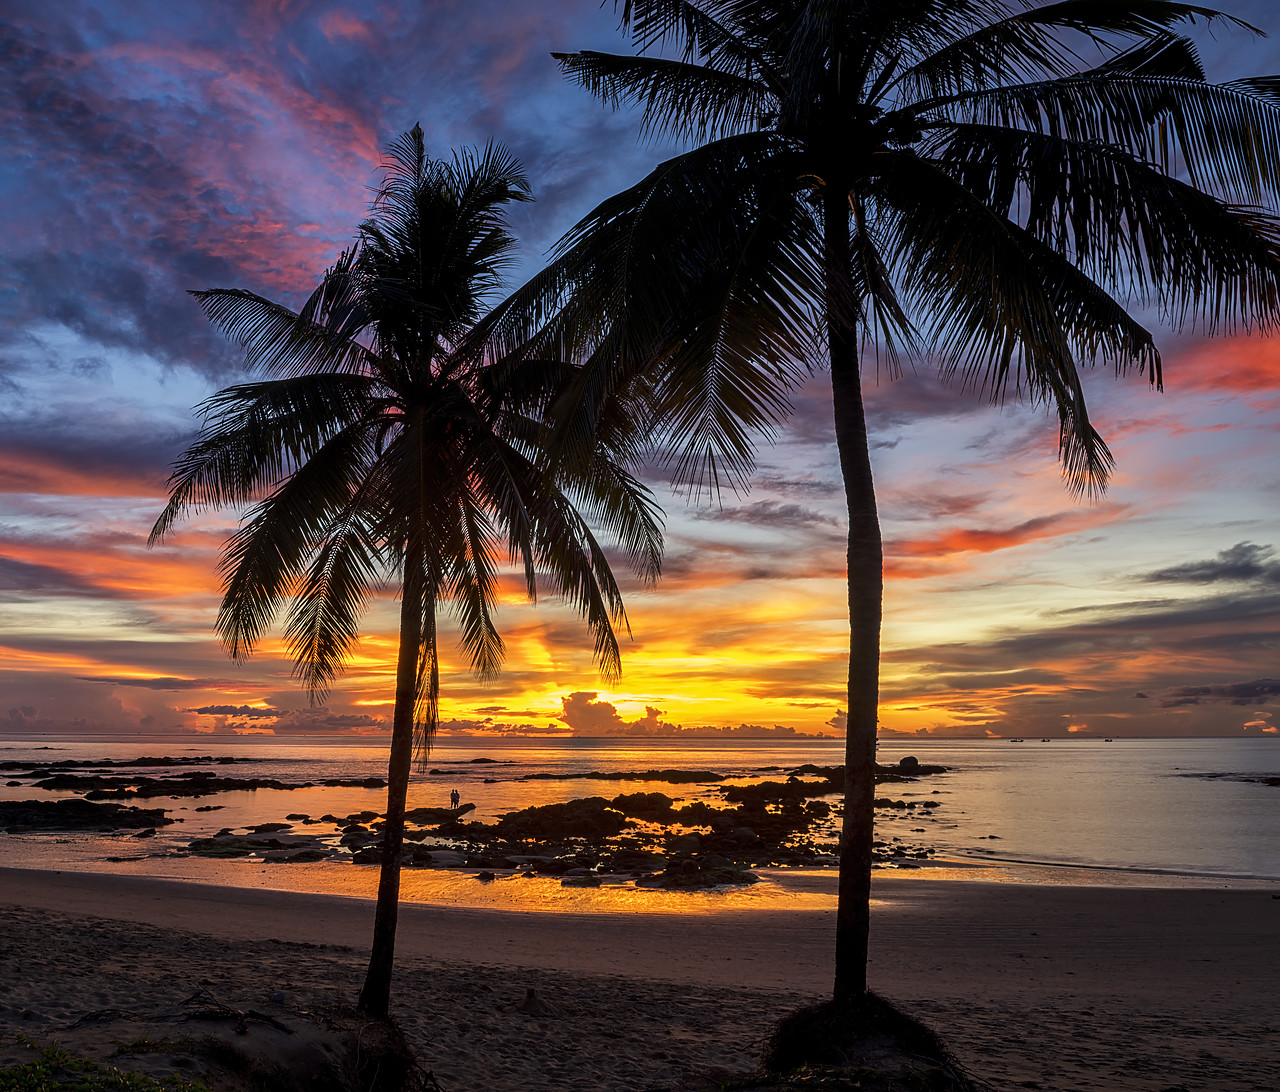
[
  {"x": 296, "y": 855},
  {"x": 654, "y": 807},
  {"x": 636, "y": 860},
  {"x": 17, "y": 816},
  {"x": 438, "y": 816},
  {"x": 690, "y": 874},
  {"x": 476, "y": 861},
  {"x": 593, "y": 818},
  {"x": 485, "y": 877},
  {"x": 685, "y": 843}
]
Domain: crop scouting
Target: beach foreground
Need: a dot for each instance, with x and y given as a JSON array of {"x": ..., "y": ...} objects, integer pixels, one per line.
[{"x": 1059, "y": 988}]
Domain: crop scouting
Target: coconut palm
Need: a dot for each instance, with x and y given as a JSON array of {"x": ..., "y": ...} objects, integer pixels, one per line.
[
  {"x": 386, "y": 450},
  {"x": 1009, "y": 191}
]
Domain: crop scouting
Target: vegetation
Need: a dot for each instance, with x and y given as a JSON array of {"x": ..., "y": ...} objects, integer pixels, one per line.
[
  {"x": 57, "y": 1071},
  {"x": 1008, "y": 191},
  {"x": 388, "y": 449}
]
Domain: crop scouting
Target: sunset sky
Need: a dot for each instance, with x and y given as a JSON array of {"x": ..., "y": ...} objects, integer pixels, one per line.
[{"x": 151, "y": 148}]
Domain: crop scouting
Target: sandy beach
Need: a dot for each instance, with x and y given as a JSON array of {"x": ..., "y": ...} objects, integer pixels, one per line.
[{"x": 1059, "y": 987}]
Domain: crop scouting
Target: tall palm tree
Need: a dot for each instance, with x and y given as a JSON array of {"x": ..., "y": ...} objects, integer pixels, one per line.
[
  {"x": 948, "y": 179},
  {"x": 389, "y": 449}
]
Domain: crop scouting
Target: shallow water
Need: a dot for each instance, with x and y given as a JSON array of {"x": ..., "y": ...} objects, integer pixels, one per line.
[{"x": 1081, "y": 811}]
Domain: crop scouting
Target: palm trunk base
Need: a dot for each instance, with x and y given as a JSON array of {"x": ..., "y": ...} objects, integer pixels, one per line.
[
  {"x": 866, "y": 1041},
  {"x": 375, "y": 995}
]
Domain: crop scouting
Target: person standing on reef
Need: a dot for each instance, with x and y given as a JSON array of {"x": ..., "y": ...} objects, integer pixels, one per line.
[{"x": 453, "y": 799}]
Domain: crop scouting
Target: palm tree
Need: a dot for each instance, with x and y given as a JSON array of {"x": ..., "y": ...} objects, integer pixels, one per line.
[
  {"x": 388, "y": 449},
  {"x": 906, "y": 178}
]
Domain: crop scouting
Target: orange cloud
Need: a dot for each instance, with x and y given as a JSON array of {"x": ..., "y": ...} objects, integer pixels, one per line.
[
  {"x": 1239, "y": 365},
  {"x": 960, "y": 540}
]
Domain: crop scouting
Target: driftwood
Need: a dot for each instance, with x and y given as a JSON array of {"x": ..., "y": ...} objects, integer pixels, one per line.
[
  {"x": 102, "y": 1016},
  {"x": 213, "y": 1009}
]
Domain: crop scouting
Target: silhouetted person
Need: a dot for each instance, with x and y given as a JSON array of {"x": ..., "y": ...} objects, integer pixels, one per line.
[{"x": 453, "y": 799}]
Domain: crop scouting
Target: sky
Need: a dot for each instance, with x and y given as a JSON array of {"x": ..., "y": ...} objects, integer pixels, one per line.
[{"x": 151, "y": 148}]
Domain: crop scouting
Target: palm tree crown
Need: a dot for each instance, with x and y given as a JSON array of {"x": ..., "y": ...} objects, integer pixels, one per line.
[
  {"x": 389, "y": 448},
  {"x": 941, "y": 179}
]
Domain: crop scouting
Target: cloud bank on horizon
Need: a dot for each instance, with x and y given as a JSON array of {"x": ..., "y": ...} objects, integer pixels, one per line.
[{"x": 154, "y": 148}]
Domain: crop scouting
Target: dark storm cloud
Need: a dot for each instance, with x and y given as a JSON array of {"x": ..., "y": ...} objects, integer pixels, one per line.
[
  {"x": 153, "y": 148},
  {"x": 895, "y": 402},
  {"x": 105, "y": 189},
  {"x": 1246, "y": 626},
  {"x": 21, "y": 579},
  {"x": 60, "y": 456},
  {"x": 251, "y": 712},
  {"x": 799, "y": 487},
  {"x": 323, "y": 720},
  {"x": 929, "y": 505},
  {"x": 768, "y": 514},
  {"x": 1243, "y": 562},
  {"x": 159, "y": 684},
  {"x": 1255, "y": 692}
]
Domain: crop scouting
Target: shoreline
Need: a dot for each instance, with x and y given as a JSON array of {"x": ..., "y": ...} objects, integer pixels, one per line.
[
  {"x": 1088, "y": 988},
  {"x": 957, "y": 922}
]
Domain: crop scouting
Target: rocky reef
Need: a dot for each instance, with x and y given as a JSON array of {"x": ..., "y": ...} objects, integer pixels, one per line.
[{"x": 23, "y": 816}]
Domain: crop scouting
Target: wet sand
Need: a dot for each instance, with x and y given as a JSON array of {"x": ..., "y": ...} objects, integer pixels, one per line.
[{"x": 1052, "y": 987}]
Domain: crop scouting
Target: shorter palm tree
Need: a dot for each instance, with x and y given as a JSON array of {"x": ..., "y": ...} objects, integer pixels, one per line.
[{"x": 389, "y": 448}]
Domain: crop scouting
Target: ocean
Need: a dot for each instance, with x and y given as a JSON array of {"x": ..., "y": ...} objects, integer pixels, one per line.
[{"x": 1147, "y": 812}]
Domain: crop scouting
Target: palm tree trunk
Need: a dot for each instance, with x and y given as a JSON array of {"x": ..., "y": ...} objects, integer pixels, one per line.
[
  {"x": 866, "y": 588},
  {"x": 375, "y": 997}
]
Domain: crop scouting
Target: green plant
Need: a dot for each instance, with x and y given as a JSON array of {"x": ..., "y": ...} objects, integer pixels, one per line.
[{"x": 54, "y": 1070}]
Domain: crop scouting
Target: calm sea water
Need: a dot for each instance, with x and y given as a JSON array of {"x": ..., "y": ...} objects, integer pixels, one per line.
[{"x": 1132, "y": 808}]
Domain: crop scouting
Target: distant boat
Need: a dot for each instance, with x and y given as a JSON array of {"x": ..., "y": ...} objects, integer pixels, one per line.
[
  {"x": 1045, "y": 740},
  {"x": 1017, "y": 740},
  {"x": 1108, "y": 740}
]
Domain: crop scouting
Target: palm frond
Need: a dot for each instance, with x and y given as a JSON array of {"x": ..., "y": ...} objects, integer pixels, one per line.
[
  {"x": 1223, "y": 136},
  {"x": 323, "y": 621},
  {"x": 277, "y": 340},
  {"x": 725, "y": 42},
  {"x": 681, "y": 100},
  {"x": 1127, "y": 223},
  {"x": 996, "y": 316},
  {"x": 255, "y": 435},
  {"x": 262, "y": 562}
]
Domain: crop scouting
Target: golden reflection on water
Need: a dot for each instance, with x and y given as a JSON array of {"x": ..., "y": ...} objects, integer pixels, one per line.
[{"x": 546, "y": 894}]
